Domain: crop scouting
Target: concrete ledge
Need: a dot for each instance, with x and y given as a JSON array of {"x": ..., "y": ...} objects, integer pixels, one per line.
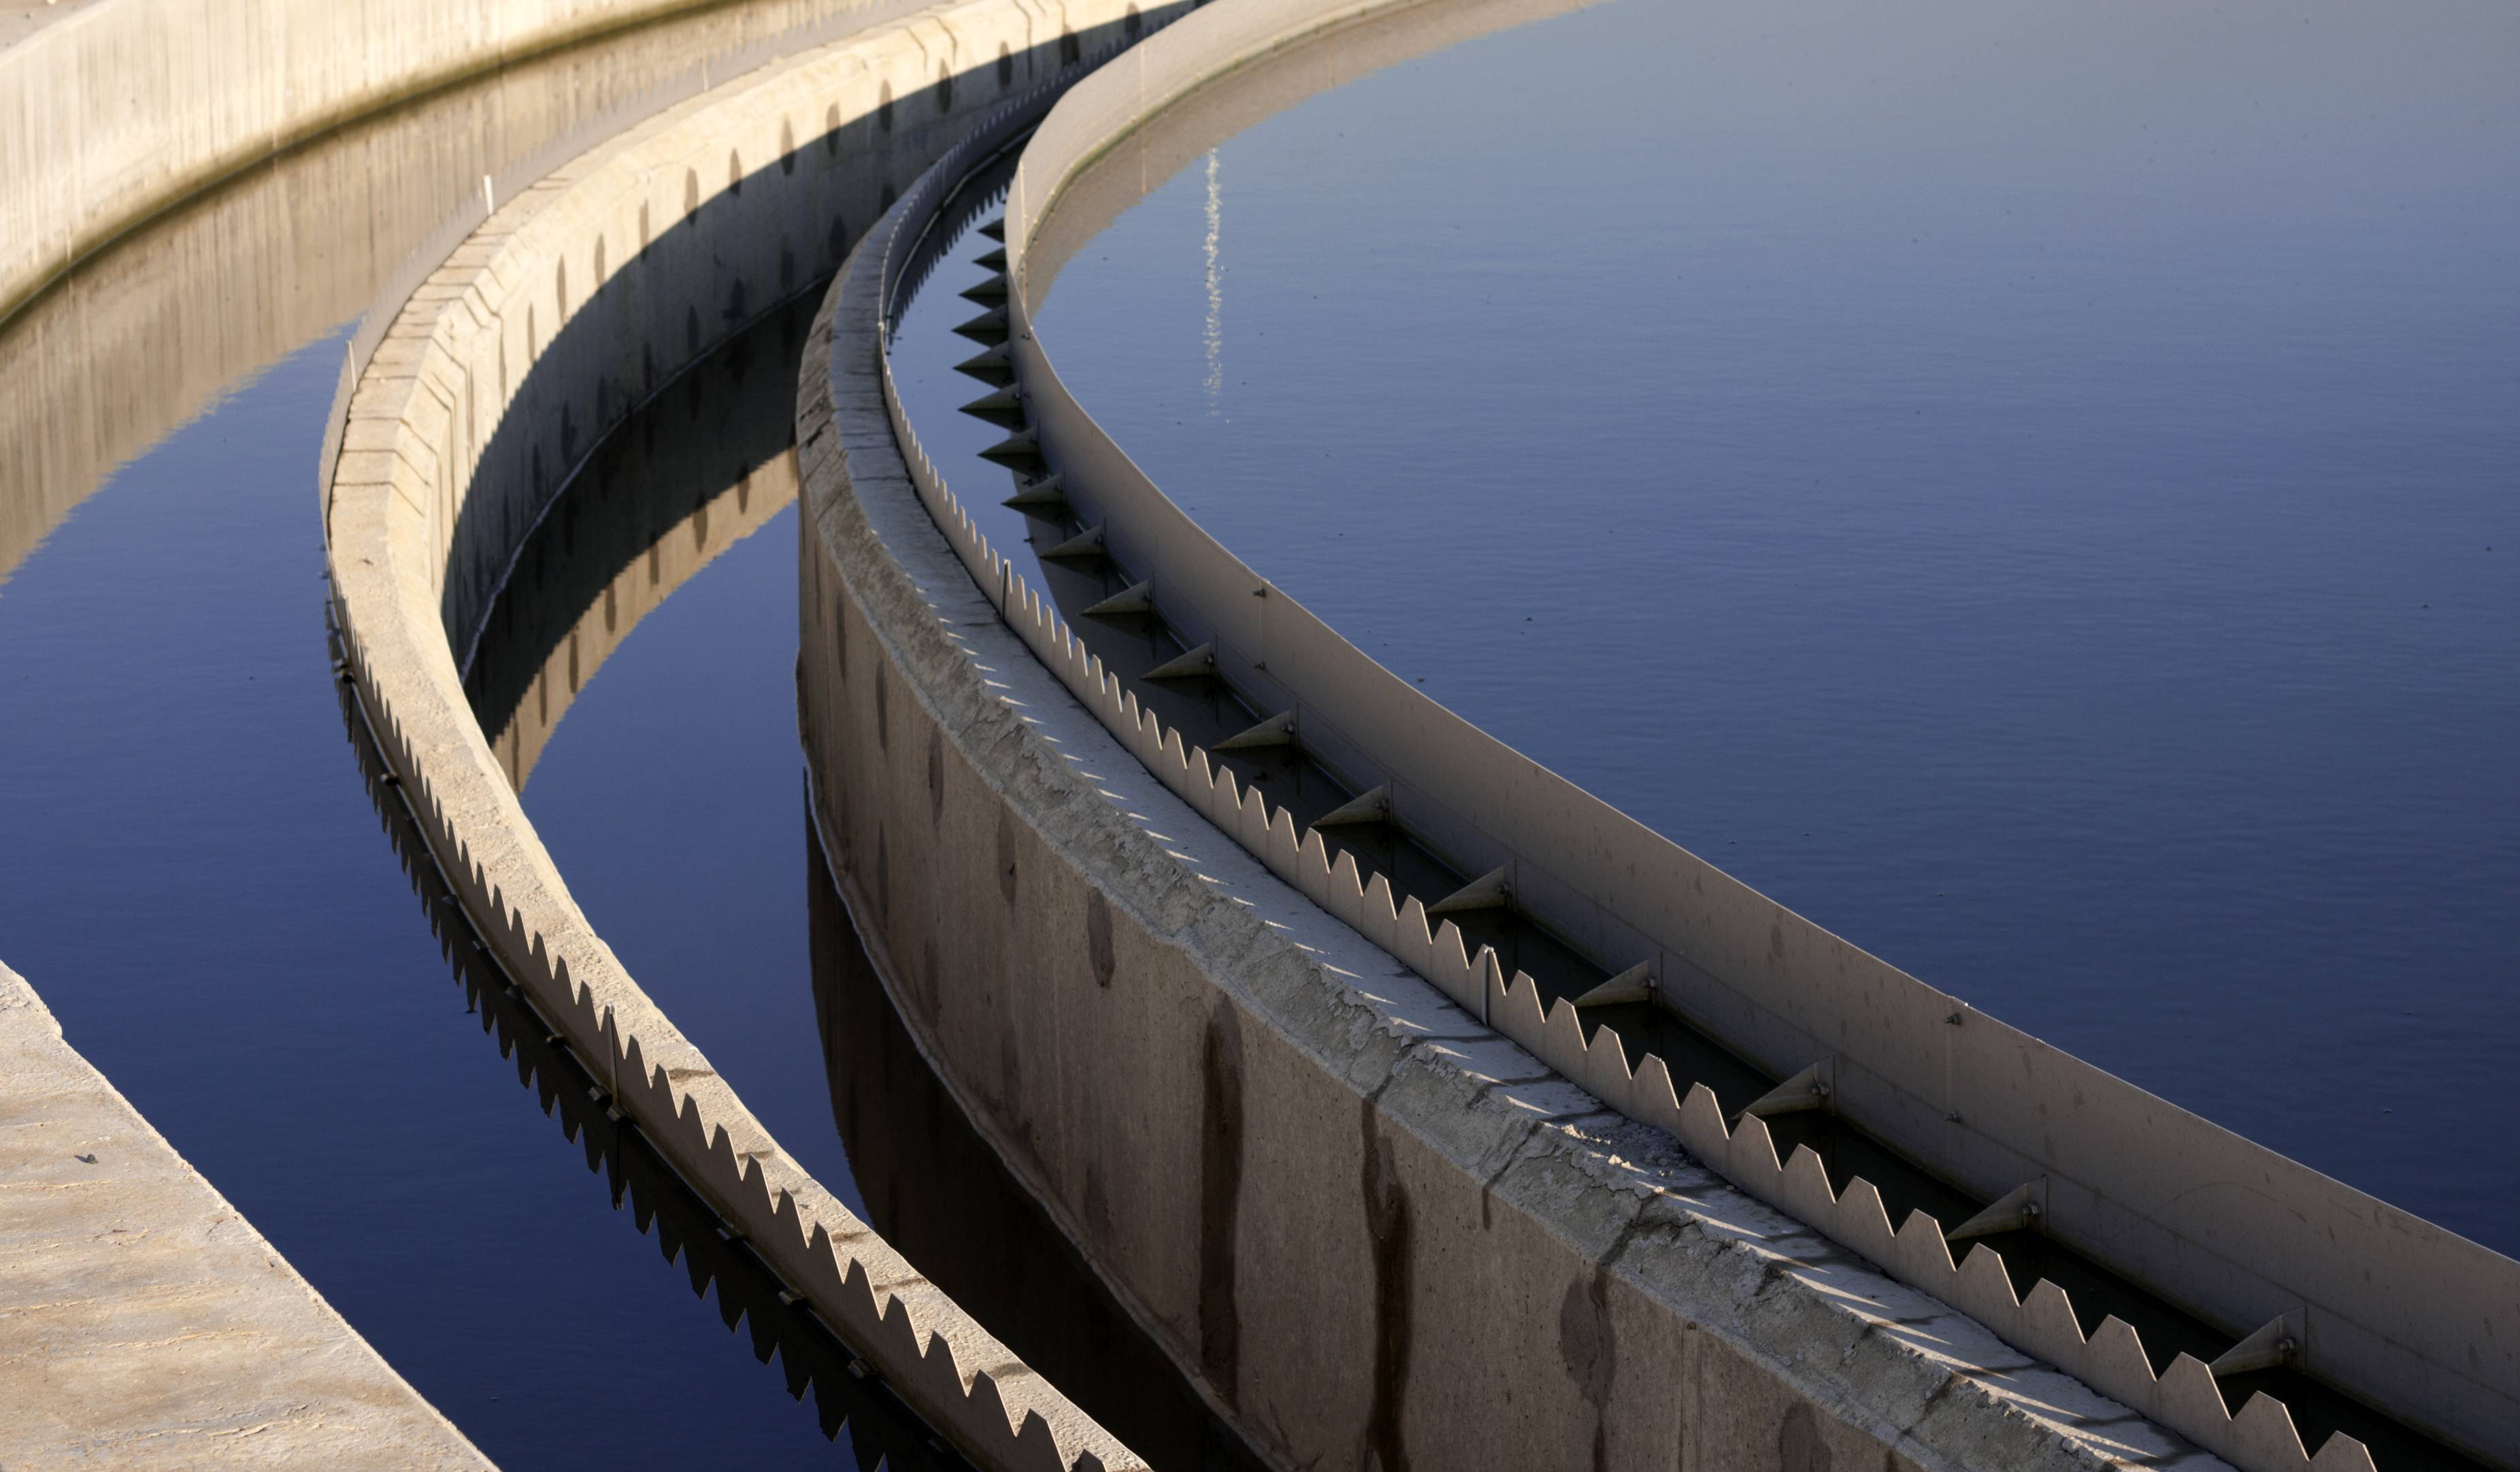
[
  {"x": 578, "y": 300},
  {"x": 1377, "y": 1233},
  {"x": 142, "y": 1322}
]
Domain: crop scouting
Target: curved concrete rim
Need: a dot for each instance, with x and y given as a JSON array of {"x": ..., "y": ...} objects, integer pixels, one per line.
[
  {"x": 428, "y": 489},
  {"x": 2396, "y": 1311},
  {"x": 968, "y": 704}
]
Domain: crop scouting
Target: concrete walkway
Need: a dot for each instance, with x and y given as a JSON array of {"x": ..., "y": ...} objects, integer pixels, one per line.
[{"x": 144, "y": 1323}]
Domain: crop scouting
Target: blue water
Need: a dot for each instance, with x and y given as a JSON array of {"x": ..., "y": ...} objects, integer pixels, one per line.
[
  {"x": 194, "y": 879},
  {"x": 2031, "y": 488}
]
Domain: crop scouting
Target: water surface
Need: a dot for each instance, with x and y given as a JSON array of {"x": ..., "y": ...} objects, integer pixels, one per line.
[{"x": 2030, "y": 489}]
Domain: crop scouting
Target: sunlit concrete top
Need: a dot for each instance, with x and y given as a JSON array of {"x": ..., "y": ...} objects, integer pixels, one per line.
[{"x": 147, "y": 1324}]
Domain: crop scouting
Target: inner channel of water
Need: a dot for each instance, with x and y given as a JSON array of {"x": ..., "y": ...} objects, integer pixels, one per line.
[{"x": 2031, "y": 489}]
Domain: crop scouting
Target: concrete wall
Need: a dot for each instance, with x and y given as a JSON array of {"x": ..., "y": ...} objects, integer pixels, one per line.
[
  {"x": 147, "y": 330},
  {"x": 147, "y": 1324},
  {"x": 112, "y": 115},
  {"x": 578, "y": 298},
  {"x": 1375, "y": 1232}
]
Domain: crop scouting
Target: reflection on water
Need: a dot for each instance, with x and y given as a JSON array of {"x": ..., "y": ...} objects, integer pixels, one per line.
[
  {"x": 146, "y": 335},
  {"x": 938, "y": 1192},
  {"x": 669, "y": 799},
  {"x": 2028, "y": 489},
  {"x": 186, "y": 876},
  {"x": 750, "y": 1298},
  {"x": 704, "y": 465}
]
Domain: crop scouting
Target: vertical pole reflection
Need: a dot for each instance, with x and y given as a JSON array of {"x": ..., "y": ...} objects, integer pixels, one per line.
[{"x": 1213, "y": 333}]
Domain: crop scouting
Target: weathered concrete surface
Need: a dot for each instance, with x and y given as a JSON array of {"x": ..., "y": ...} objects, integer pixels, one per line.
[
  {"x": 1378, "y": 1234},
  {"x": 580, "y": 297},
  {"x": 142, "y": 1322}
]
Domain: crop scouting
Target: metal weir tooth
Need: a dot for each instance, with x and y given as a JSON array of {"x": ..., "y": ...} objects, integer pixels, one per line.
[
  {"x": 1139, "y": 597},
  {"x": 1277, "y": 731},
  {"x": 996, "y": 228},
  {"x": 1493, "y": 890},
  {"x": 1635, "y": 984},
  {"x": 1807, "y": 1090},
  {"x": 995, "y": 261},
  {"x": 2278, "y": 1342},
  {"x": 1019, "y": 447},
  {"x": 989, "y": 327},
  {"x": 1197, "y": 664},
  {"x": 1084, "y": 544},
  {"x": 990, "y": 364},
  {"x": 1365, "y": 808},
  {"x": 1004, "y": 407},
  {"x": 2020, "y": 1209},
  {"x": 992, "y": 290},
  {"x": 1040, "y": 495}
]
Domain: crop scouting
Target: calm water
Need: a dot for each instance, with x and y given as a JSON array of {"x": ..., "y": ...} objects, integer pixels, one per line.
[
  {"x": 289, "y": 1023},
  {"x": 194, "y": 878},
  {"x": 2034, "y": 490}
]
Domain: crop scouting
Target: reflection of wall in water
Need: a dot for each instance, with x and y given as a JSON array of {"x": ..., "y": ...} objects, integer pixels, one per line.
[
  {"x": 686, "y": 1231},
  {"x": 937, "y": 1190},
  {"x": 141, "y": 339},
  {"x": 701, "y": 467}
]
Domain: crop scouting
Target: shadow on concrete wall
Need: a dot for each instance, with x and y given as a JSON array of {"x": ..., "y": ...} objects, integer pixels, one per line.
[
  {"x": 701, "y": 467},
  {"x": 752, "y": 237}
]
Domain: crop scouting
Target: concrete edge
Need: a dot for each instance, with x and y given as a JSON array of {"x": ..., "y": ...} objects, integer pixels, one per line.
[{"x": 148, "y": 1324}]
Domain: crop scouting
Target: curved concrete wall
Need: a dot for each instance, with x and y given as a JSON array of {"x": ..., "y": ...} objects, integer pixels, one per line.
[
  {"x": 574, "y": 302},
  {"x": 2393, "y": 1309},
  {"x": 109, "y": 116},
  {"x": 145, "y": 330},
  {"x": 1376, "y": 1233}
]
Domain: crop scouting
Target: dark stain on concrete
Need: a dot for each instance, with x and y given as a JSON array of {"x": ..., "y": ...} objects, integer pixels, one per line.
[
  {"x": 1588, "y": 1346},
  {"x": 1007, "y": 854},
  {"x": 1098, "y": 938},
  {"x": 1799, "y": 1447},
  {"x": 1220, "y": 1194},
  {"x": 1388, "y": 1229},
  {"x": 936, "y": 778}
]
